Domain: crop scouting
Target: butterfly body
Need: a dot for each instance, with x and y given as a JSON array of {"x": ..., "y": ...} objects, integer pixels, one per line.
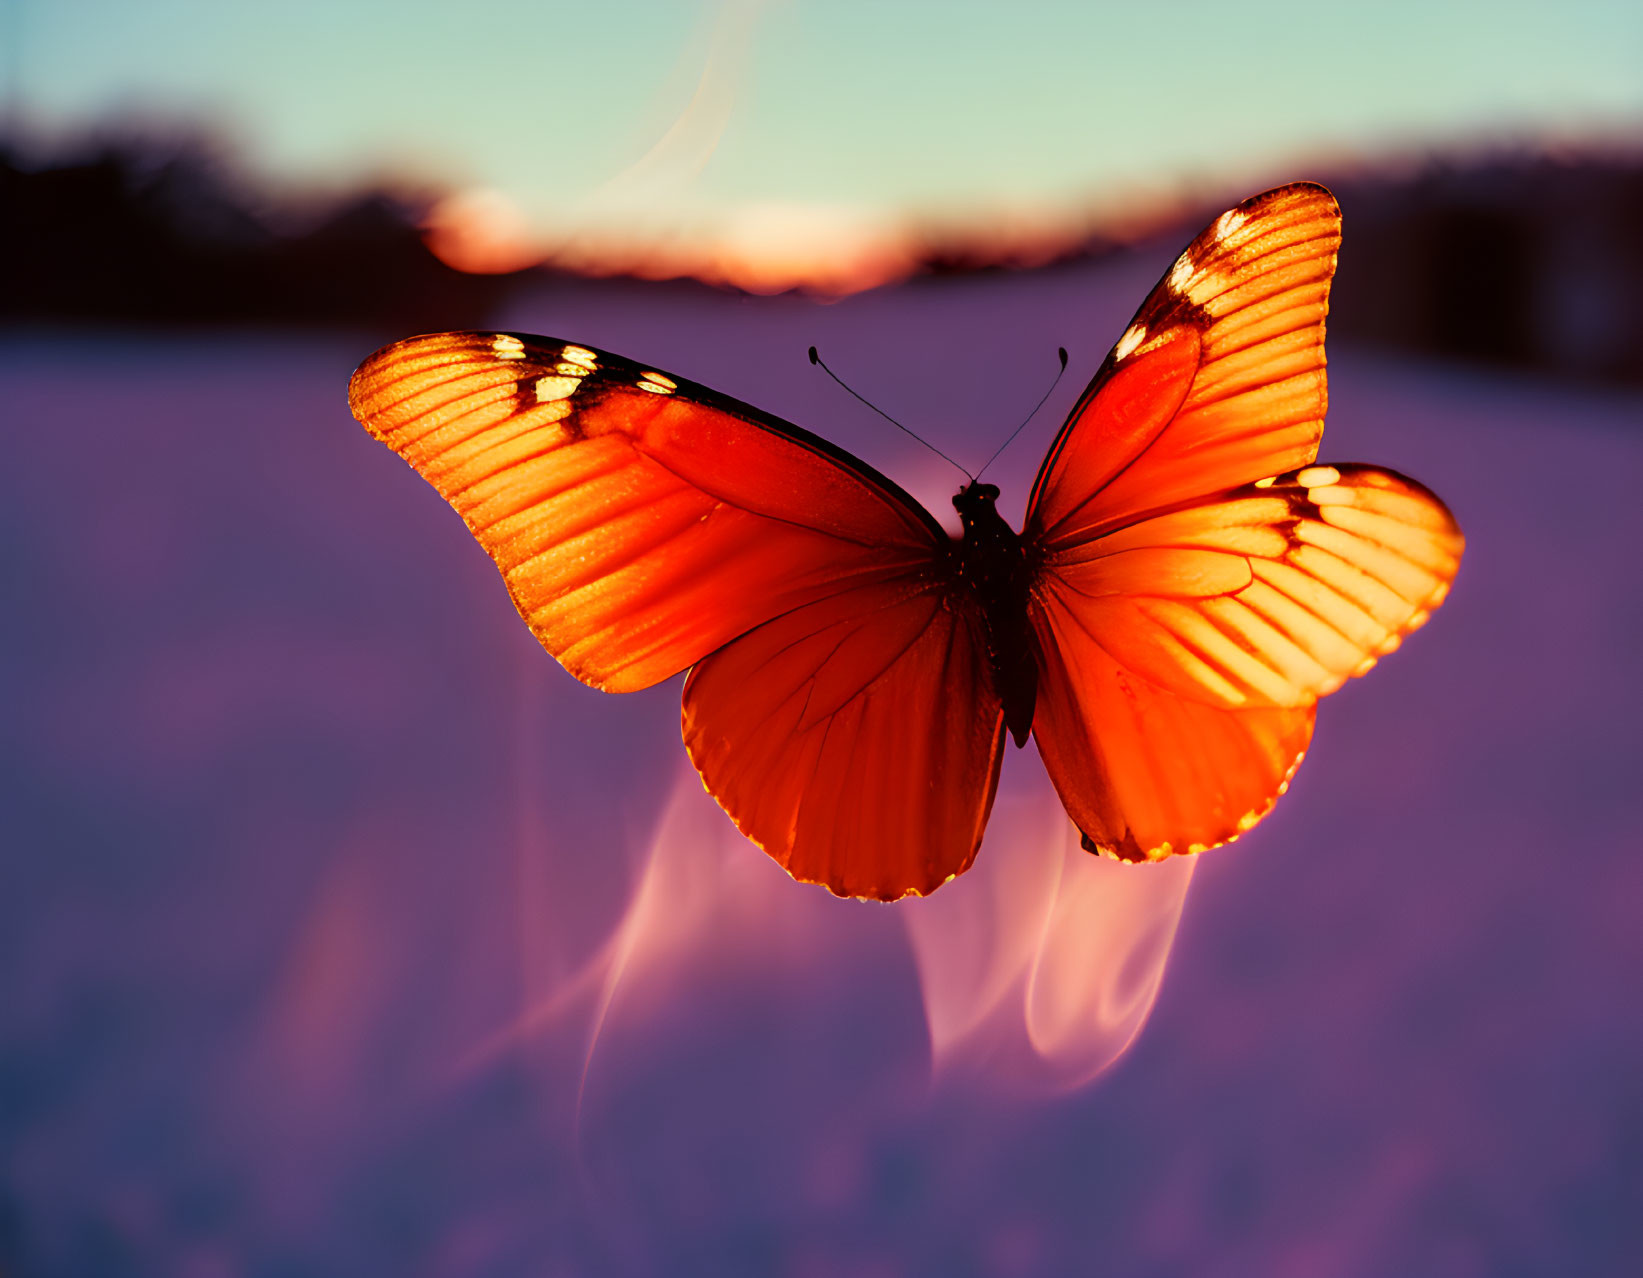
[
  {"x": 990, "y": 560},
  {"x": 1187, "y": 584}
]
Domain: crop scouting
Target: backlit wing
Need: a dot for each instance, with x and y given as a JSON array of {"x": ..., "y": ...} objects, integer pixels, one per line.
[
  {"x": 1143, "y": 772},
  {"x": 856, "y": 739},
  {"x": 1200, "y": 583},
  {"x": 640, "y": 521},
  {"x": 1273, "y": 594},
  {"x": 1183, "y": 654},
  {"x": 1217, "y": 382}
]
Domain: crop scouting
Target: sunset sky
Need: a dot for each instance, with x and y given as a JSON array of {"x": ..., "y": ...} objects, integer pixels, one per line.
[{"x": 732, "y": 114}]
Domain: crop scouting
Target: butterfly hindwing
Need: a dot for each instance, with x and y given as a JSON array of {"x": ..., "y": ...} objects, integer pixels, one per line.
[
  {"x": 640, "y": 521},
  {"x": 1144, "y": 772},
  {"x": 856, "y": 739}
]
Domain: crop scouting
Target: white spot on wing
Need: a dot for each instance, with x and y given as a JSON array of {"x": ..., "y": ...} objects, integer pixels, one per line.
[
  {"x": 549, "y": 389},
  {"x": 580, "y": 355},
  {"x": 1190, "y": 280},
  {"x": 507, "y": 346},
  {"x": 1229, "y": 222},
  {"x": 1134, "y": 335}
]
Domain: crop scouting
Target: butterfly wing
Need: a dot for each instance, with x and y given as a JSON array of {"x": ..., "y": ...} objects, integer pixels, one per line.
[
  {"x": 1273, "y": 594},
  {"x": 1217, "y": 381},
  {"x": 856, "y": 739},
  {"x": 640, "y": 521},
  {"x": 1199, "y": 583},
  {"x": 845, "y": 718},
  {"x": 1142, "y": 771},
  {"x": 1184, "y": 653}
]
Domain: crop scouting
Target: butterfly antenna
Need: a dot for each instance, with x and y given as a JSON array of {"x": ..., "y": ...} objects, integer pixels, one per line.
[
  {"x": 817, "y": 360},
  {"x": 1062, "y": 352}
]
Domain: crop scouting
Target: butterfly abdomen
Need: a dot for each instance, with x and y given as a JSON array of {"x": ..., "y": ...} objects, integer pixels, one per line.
[{"x": 991, "y": 561}]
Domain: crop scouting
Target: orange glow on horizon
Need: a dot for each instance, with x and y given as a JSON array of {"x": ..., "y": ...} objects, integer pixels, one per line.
[
  {"x": 481, "y": 232},
  {"x": 776, "y": 247}
]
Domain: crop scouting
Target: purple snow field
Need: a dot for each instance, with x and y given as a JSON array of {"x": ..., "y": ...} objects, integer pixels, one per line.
[{"x": 334, "y": 943}]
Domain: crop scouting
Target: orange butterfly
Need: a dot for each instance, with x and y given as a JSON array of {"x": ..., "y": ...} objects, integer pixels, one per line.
[{"x": 1188, "y": 584}]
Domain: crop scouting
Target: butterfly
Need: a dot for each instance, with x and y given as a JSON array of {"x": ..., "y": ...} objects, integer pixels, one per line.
[{"x": 1188, "y": 583}]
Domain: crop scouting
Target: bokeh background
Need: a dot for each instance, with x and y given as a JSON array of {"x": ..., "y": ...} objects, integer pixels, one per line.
[{"x": 341, "y": 933}]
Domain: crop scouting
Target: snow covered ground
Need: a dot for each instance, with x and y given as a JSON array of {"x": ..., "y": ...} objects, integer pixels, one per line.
[{"x": 318, "y": 876}]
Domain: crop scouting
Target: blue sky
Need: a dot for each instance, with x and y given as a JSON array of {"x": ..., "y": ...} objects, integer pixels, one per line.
[{"x": 684, "y": 112}]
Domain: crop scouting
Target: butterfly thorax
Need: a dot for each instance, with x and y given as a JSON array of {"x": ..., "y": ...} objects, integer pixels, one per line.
[{"x": 989, "y": 559}]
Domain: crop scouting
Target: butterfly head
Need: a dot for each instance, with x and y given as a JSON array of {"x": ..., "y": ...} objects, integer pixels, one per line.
[{"x": 974, "y": 500}]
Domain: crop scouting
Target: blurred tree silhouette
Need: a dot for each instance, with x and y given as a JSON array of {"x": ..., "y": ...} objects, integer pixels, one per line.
[
  {"x": 1527, "y": 261},
  {"x": 162, "y": 232}
]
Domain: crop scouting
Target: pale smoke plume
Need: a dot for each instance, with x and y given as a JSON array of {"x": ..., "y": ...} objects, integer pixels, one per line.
[
  {"x": 1038, "y": 966},
  {"x": 677, "y": 158},
  {"x": 647, "y": 219},
  {"x": 631, "y": 216}
]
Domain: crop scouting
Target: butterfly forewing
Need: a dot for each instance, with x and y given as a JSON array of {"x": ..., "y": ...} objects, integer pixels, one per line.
[
  {"x": 640, "y": 521},
  {"x": 1217, "y": 382}
]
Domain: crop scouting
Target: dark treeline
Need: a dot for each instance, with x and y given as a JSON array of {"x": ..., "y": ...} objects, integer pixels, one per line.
[
  {"x": 1523, "y": 260},
  {"x": 161, "y": 233},
  {"x": 1529, "y": 262}
]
